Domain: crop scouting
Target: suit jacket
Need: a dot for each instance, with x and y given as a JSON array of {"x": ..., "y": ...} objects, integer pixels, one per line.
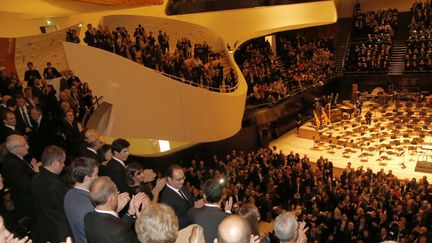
[
  {"x": 49, "y": 191},
  {"x": 41, "y": 136},
  {"x": 117, "y": 173},
  {"x": 178, "y": 204},
  {"x": 18, "y": 175},
  {"x": 77, "y": 204},
  {"x": 72, "y": 138},
  {"x": 104, "y": 228},
  {"x": 208, "y": 218},
  {"x": 6, "y": 131},
  {"x": 21, "y": 125},
  {"x": 90, "y": 154}
]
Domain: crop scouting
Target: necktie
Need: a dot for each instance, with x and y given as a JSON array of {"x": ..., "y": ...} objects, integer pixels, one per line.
[
  {"x": 183, "y": 195},
  {"x": 26, "y": 118}
]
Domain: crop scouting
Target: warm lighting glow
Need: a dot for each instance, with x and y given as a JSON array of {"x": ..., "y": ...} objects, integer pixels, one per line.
[
  {"x": 80, "y": 25},
  {"x": 164, "y": 145},
  {"x": 48, "y": 21}
]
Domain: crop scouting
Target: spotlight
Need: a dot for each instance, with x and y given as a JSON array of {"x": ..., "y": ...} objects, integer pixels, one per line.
[
  {"x": 80, "y": 25},
  {"x": 48, "y": 21}
]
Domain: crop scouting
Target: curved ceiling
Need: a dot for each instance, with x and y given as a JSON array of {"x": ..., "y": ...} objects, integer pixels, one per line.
[
  {"x": 59, "y": 8},
  {"x": 123, "y": 2}
]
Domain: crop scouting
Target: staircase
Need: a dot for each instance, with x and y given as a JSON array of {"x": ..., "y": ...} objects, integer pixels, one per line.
[
  {"x": 281, "y": 64},
  {"x": 341, "y": 42},
  {"x": 397, "y": 63}
]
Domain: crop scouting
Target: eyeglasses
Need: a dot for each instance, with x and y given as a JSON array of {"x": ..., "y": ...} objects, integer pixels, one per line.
[{"x": 21, "y": 145}]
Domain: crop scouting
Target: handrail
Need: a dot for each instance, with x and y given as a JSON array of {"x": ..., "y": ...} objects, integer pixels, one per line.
[
  {"x": 220, "y": 89},
  {"x": 226, "y": 90}
]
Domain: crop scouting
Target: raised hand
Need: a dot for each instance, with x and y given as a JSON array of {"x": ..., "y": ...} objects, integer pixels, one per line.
[
  {"x": 160, "y": 184},
  {"x": 229, "y": 204},
  {"x": 302, "y": 238},
  {"x": 149, "y": 175},
  {"x": 123, "y": 200}
]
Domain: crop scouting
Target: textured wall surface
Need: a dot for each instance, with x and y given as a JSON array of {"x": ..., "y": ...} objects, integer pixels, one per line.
[
  {"x": 41, "y": 49},
  {"x": 175, "y": 29}
]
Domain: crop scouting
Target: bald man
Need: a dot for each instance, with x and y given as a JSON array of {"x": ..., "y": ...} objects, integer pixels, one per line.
[
  {"x": 288, "y": 230},
  {"x": 234, "y": 229}
]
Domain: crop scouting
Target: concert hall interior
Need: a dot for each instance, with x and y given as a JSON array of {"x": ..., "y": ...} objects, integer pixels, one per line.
[{"x": 319, "y": 108}]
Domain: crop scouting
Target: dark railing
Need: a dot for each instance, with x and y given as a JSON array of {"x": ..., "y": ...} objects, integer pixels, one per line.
[
  {"x": 290, "y": 95},
  {"x": 175, "y": 7},
  {"x": 221, "y": 89}
]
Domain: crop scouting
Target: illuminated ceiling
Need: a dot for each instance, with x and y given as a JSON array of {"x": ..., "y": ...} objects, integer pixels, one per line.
[
  {"x": 123, "y": 2},
  {"x": 28, "y": 9}
]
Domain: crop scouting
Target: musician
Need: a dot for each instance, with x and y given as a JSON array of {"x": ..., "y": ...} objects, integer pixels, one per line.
[
  {"x": 299, "y": 122},
  {"x": 368, "y": 117},
  {"x": 359, "y": 105},
  {"x": 336, "y": 99},
  {"x": 317, "y": 106}
]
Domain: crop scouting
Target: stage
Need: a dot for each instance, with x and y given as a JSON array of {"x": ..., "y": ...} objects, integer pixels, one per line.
[{"x": 399, "y": 136}]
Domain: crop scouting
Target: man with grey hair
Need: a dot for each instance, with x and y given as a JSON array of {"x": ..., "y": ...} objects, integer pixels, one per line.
[
  {"x": 18, "y": 174},
  {"x": 288, "y": 230},
  {"x": 104, "y": 224}
]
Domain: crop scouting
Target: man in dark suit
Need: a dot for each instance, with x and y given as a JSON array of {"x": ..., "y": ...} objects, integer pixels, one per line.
[
  {"x": 31, "y": 75},
  {"x": 116, "y": 167},
  {"x": 18, "y": 174},
  {"x": 49, "y": 191},
  {"x": 104, "y": 225},
  {"x": 8, "y": 127},
  {"x": 92, "y": 144},
  {"x": 176, "y": 196},
  {"x": 42, "y": 132},
  {"x": 210, "y": 215},
  {"x": 22, "y": 114}
]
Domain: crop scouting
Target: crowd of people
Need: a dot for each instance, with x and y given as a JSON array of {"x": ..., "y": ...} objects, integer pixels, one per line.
[
  {"x": 197, "y": 63},
  {"x": 372, "y": 40},
  {"x": 419, "y": 43},
  {"x": 309, "y": 62}
]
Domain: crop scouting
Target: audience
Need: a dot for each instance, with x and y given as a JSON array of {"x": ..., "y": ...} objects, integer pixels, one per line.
[
  {"x": 203, "y": 68},
  {"x": 267, "y": 185},
  {"x": 371, "y": 40},
  {"x": 309, "y": 62},
  {"x": 418, "y": 54}
]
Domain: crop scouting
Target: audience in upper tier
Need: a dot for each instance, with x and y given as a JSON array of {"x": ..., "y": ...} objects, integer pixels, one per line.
[
  {"x": 198, "y": 63},
  {"x": 309, "y": 62},
  {"x": 419, "y": 43},
  {"x": 371, "y": 40}
]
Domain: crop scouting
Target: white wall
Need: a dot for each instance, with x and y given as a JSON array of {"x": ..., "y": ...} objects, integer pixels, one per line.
[{"x": 149, "y": 105}]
